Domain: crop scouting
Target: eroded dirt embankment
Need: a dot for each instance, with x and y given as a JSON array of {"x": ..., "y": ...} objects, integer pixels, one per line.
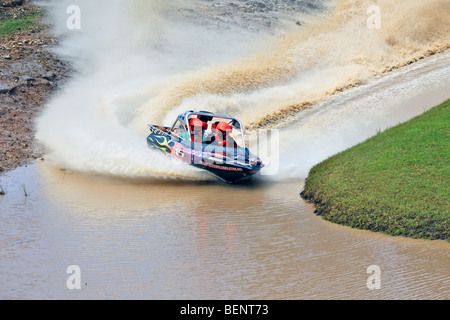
[{"x": 29, "y": 74}]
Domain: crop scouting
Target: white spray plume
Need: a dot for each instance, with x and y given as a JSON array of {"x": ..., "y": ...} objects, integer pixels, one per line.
[{"x": 140, "y": 62}]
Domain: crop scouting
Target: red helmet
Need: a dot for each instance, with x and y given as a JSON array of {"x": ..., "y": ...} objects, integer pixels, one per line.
[
  {"x": 195, "y": 122},
  {"x": 223, "y": 126}
]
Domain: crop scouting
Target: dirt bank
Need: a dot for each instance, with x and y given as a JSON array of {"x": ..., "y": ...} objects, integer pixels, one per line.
[{"x": 29, "y": 74}]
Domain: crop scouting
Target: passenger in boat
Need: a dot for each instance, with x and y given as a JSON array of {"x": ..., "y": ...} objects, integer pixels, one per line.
[{"x": 222, "y": 135}]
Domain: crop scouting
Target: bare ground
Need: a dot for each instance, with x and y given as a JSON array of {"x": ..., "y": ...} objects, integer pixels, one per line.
[{"x": 29, "y": 74}]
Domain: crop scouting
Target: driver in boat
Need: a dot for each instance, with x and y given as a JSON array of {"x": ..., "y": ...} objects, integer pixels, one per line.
[{"x": 222, "y": 137}]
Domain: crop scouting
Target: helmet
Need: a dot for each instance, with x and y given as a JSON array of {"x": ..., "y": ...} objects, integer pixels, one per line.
[
  {"x": 225, "y": 127},
  {"x": 195, "y": 122}
]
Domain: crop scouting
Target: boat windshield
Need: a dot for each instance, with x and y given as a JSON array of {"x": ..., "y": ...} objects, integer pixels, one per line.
[{"x": 180, "y": 129}]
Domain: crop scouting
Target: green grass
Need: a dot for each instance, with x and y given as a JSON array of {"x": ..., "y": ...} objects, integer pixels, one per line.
[
  {"x": 396, "y": 182},
  {"x": 10, "y": 25}
]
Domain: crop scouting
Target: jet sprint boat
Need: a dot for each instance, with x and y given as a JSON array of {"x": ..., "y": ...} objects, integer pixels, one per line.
[{"x": 213, "y": 142}]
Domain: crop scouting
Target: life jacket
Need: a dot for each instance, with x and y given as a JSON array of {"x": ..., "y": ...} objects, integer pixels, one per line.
[{"x": 223, "y": 143}]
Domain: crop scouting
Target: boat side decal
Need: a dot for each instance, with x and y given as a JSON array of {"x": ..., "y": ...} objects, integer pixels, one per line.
[{"x": 211, "y": 165}]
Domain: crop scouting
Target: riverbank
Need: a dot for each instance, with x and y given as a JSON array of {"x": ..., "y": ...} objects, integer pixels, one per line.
[
  {"x": 395, "y": 182},
  {"x": 29, "y": 74}
]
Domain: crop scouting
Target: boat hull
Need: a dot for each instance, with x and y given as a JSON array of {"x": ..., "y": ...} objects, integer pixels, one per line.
[{"x": 228, "y": 171}]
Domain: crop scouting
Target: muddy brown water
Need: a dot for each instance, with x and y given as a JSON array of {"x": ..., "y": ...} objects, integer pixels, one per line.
[{"x": 178, "y": 240}]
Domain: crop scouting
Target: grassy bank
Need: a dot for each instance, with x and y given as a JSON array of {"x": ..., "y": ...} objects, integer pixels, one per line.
[
  {"x": 19, "y": 20},
  {"x": 396, "y": 182}
]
